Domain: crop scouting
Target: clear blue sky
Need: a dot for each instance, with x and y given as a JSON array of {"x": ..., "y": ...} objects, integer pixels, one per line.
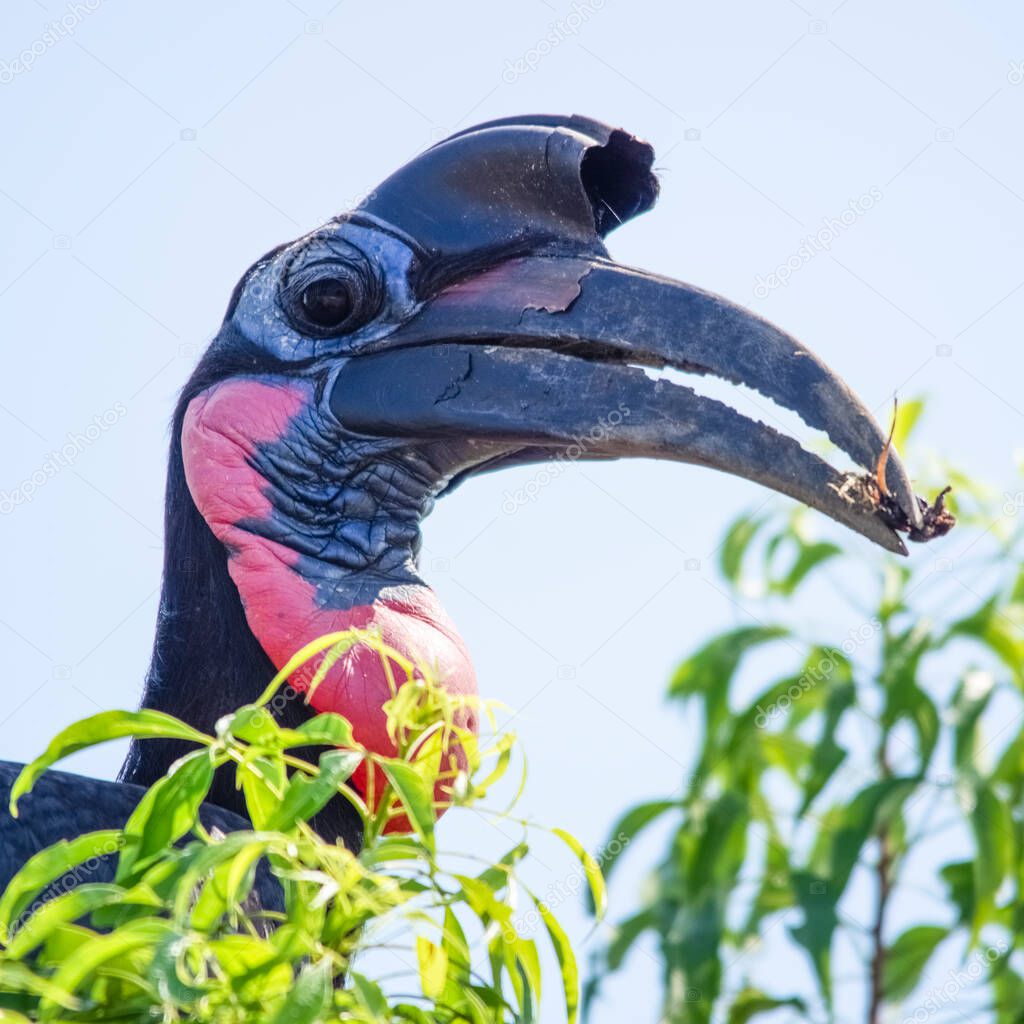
[{"x": 151, "y": 152}]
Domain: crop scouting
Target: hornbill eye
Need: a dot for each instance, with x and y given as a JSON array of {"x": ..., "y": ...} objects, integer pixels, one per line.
[
  {"x": 327, "y": 302},
  {"x": 333, "y": 297}
]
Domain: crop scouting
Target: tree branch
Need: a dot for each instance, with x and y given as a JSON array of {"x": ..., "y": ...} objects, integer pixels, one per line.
[{"x": 883, "y": 872}]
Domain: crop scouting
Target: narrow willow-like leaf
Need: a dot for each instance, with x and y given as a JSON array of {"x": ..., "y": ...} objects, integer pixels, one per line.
[
  {"x": 628, "y": 827},
  {"x": 18, "y": 977},
  {"x": 433, "y": 967},
  {"x": 309, "y": 998},
  {"x": 64, "y": 860},
  {"x": 992, "y": 826},
  {"x": 370, "y": 995},
  {"x": 101, "y": 728},
  {"x": 860, "y": 818},
  {"x": 708, "y": 672},
  {"x": 415, "y": 796},
  {"x": 811, "y": 894},
  {"x": 93, "y": 954},
  {"x": 566, "y": 959},
  {"x": 70, "y": 907},
  {"x": 327, "y": 728},
  {"x": 907, "y": 958},
  {"x": 828, "y": 755},
  {"x": 738, "y": 538},
  {"x": 169, "y": 809},
  {"x": 591, "y": 869},
  {"x": 306, "y": 795},
  {"x": 750, "y": 1002},
  {"x": 264, "y": 781},
  {"x": 809, "y": 557}
]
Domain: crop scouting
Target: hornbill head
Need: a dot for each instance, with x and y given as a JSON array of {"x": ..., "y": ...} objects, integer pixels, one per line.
[{"x": 466, "y": 316}]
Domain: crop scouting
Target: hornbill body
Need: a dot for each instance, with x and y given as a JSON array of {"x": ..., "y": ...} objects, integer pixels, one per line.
[{"x": 463, "y": 318}]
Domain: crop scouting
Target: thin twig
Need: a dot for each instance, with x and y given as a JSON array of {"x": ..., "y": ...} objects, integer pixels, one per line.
[{"x": 883, "y": 872}]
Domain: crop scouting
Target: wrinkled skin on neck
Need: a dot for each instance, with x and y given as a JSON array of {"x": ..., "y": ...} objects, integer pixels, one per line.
[{"x": 321, "y": 533}]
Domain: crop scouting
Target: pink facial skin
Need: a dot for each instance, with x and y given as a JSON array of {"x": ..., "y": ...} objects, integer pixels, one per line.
[{"x": 221, "y": 430}]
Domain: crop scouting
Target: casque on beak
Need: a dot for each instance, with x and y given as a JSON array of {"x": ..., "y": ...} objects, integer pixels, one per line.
[{"x": 530, "y": 339}]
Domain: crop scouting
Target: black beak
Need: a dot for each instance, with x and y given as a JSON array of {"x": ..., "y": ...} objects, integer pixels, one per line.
[{"x": 552, "y": 346}]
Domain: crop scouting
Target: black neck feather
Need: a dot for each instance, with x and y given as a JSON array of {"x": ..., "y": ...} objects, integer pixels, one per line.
[{"x": 206, "y": 661}]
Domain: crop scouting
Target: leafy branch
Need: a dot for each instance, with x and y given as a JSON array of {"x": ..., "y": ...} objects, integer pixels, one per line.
[
  {"x": 180, "y": 932},
  {"x": 868, "y": 701}
]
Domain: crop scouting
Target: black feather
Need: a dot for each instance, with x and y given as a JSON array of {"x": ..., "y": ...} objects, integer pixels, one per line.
[{"x": 63, "y": 806}]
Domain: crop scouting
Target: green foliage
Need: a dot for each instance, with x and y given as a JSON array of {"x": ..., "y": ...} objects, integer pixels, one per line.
[
  {"x": 176, "y": 936},
  {"x": 852, "y": 815}
]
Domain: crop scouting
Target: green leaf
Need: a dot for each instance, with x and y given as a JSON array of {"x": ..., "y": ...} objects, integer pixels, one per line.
[
  {"x": 828, "y": 755},
  {"x": 415, "y": 796},
  {"x": 527, "y": 964},
  {"x": 869, "y": 810},
  {"x": 628, "y": 827},
  {"x": 1008, "y": 990},
  {"x": 264, "y": 781},
  {"x": 992, "y": 826},
  {"x": 566, "y": 959},
  {"x": 908, "y": 412},
  {"x": 252, "y": 723},
  {"x": 168, "y": 810},
  {"x": 433, "y": 967},
  {"x": 709, "y": 671},
  {"x": 370, "y": 996},
  {"x": 307, "y": 795},
  {"x": 455, "y": 944},
  {"x": 904, "y": 698},
  {"x": 413, "y": 1014},
  {"x": 101, "y": 728},
  {"x": 775, "y": 892},
  {"x": 813, "y": 896},
  {"x": 592, "y": 870},
  {"x": 719, "y": 844},
  {"x": 1000, "y": 628},
  {"x": 327, "y": 728},
  {"x": 969, "y": 703},
  {"x": 737, "y": 539},
  {"x": 907, "y": 957},
  {"x": 809, "y": 556},
  {"x": 310, "y": 996},
  {"x": 100, "y": 950},
  {"x": 12, "y": 1017},
  {"x": 16, "y": 977},
  {"x": 60, "y": 861},
  {"x": 749, "y": 1002},
  {"x": 70, "y": 907},
  {"x": 626, "y": 933},
  {"x": 959, "y": 880}
]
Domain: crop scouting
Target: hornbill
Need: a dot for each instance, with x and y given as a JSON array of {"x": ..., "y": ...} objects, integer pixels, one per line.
[{"x": 465, "y": 317}]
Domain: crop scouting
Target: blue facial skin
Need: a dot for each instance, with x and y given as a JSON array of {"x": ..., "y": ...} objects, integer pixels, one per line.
[
  {"x": 374, "y": 259},
  {"x": 350, "y": 505}
]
